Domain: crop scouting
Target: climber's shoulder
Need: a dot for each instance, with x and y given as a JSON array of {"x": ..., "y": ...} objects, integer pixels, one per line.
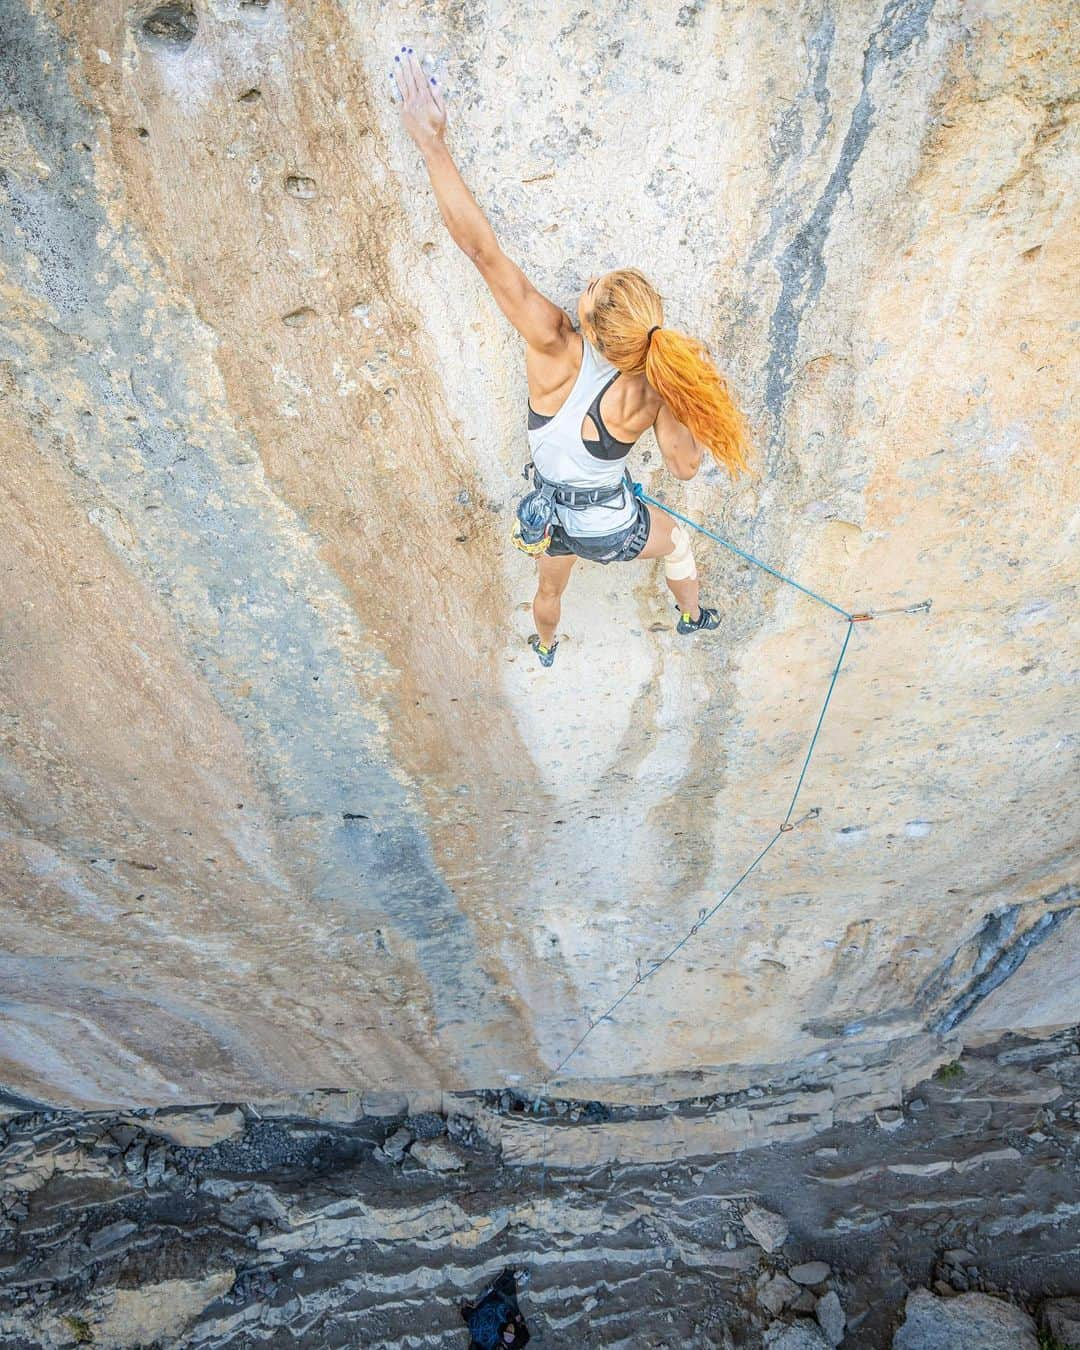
[{"x": 544, "y": 326}]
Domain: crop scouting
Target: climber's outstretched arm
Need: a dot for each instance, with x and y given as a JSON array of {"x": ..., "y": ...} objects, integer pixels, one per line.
[{"x": 542, "y": 324}]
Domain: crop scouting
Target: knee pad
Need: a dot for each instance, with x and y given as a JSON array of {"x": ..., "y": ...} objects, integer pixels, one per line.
[{"x": 679, "y": 564}]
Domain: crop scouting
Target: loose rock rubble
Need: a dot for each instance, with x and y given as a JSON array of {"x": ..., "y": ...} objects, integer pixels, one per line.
[
  {"x": 967, "y": 1322},
  {"x": 810, "y": 1272},
  {"x": 1061, "y": 1317},
  {"x": 350, "y": 1222},
  {"x": 830, "y": 1316},
  {"x": 768, "y": 1230}
]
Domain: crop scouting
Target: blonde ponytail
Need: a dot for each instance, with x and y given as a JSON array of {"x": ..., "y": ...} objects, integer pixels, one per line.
[{"x": 628, "y": 321}]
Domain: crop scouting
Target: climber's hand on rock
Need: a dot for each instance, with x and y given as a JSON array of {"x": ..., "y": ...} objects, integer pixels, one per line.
[{"x": 423, "y": 111}]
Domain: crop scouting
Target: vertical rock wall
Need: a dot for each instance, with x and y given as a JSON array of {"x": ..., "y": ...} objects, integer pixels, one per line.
[{"x": 286, "y": 802}]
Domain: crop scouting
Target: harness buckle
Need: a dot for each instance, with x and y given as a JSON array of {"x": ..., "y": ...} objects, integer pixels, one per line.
[{"x": 563, "y": 494}]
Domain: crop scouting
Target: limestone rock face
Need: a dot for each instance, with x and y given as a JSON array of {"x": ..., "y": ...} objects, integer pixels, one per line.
[
  {"x": 195, "y": 1130},
  {"x": 152, "y": 1314},
  {"x": 285, "y": 800}
]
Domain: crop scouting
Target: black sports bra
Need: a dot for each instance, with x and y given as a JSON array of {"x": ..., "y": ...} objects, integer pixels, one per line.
[{"x": 607, "y": 447}]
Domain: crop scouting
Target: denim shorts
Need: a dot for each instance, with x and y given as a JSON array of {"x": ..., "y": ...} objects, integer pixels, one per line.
[{"x": 622, "y": 546}]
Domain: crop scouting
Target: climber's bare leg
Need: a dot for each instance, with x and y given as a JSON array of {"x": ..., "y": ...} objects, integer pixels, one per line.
[
  {"x": 552, "y": 575},
  {"x": 686, "y": 593},
  {"x": 660, "y": 544}
]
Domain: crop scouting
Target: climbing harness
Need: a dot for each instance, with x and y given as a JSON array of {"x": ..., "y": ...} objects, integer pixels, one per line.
[
  {"x": 786, "y": 826},
  {"x": 536, "y": 518}
]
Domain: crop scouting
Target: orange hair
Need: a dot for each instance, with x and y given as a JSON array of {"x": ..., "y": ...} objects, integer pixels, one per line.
[{"x": 678, "y": 367}]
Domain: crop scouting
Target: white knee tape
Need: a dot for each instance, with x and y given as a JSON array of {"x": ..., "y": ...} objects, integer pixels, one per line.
[{"x": 679, "y": 564}]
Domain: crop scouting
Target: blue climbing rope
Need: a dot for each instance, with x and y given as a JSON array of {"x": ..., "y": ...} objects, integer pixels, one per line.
[
  {"x": 639, "y": 491},
  {"x": 640, "y": 979},
  {"x": 821, "y": 718},
  {"x": 785, "y": 827}
]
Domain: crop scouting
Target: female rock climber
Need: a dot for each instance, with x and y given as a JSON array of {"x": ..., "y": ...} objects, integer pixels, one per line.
[{"x": 591, "y": 395}]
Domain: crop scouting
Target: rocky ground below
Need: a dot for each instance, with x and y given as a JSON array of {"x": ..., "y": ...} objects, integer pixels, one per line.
[{"x": 952, "y": 1219}]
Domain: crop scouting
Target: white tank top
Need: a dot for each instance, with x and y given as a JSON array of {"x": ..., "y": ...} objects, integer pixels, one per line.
[{"x": 561, "y": 455}]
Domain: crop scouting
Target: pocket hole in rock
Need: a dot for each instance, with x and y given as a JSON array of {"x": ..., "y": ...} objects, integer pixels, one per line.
[
  {"x": 298, "y": 186},
  {"x": 142, "y": 133},
  {"x": 251, "y": 96},
  {"x": 171, "y": 26},
  {"x": 296, "y": 318}
]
